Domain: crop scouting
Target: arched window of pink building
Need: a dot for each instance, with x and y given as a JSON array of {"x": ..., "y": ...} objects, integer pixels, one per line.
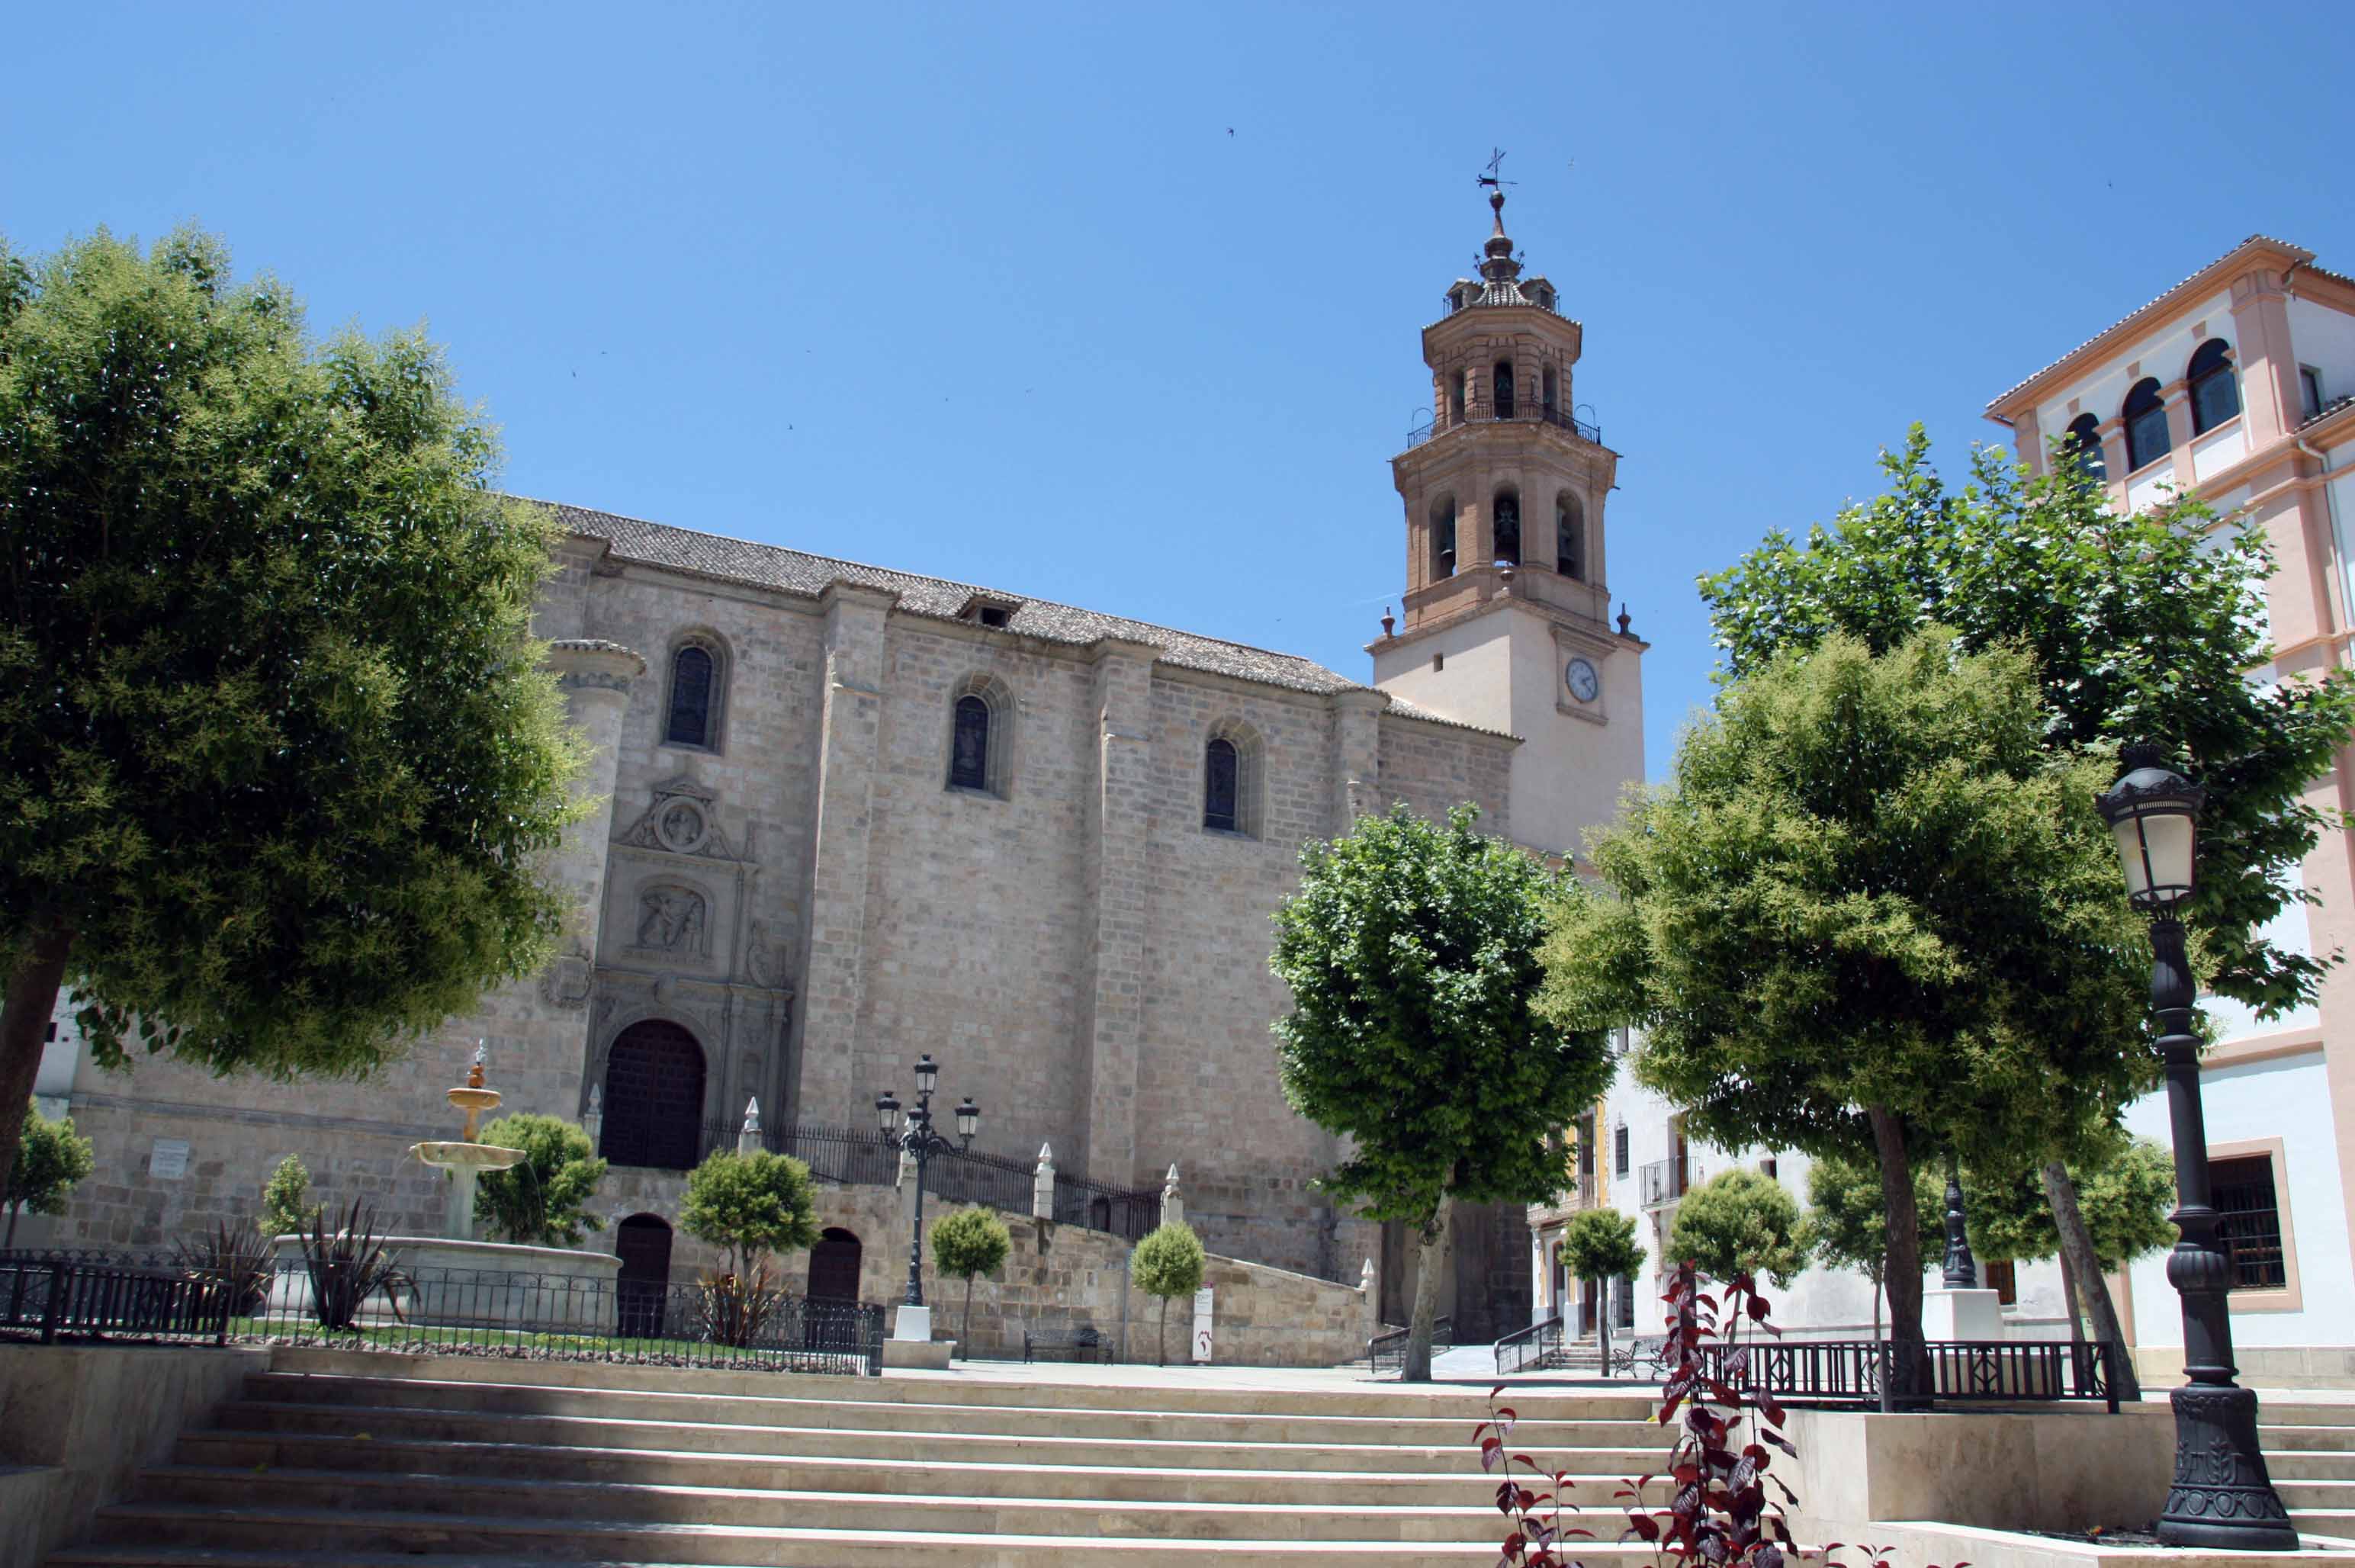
[
  {"x": 2085, "y": 447},
  {"x": 2144, "y": 417},
  {"x": 2215, "y": 391}
]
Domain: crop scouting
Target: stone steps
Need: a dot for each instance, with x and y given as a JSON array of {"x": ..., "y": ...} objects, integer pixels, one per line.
[
  {"x": 482, "y": 1463},
  {"x": 250, "y": 1453}
]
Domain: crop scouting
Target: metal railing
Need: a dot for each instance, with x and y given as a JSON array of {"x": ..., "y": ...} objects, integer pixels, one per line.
[
  {"x": 1850, "y": 1371},
  {"x": 1386, "y": 1351},
  {"x": 1525, "y": 1349},
  {"x": 847, "y": 1158},
  {"x": 1664, "y": 1181},
  {"x": 1489, "y": 413},
  {"x": 469, "y": 1312}
]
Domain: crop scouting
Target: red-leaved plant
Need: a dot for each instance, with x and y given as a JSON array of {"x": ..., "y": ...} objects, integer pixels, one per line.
[{"x": 1719, "y": 1515}]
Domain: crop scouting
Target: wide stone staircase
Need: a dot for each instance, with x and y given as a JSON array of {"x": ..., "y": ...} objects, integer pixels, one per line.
[
  {"x": 363, "y": 1460},
  {"x": 2309, "y": 1448}
]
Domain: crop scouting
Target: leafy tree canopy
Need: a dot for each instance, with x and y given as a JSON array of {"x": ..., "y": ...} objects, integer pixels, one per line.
[
  {"x": 1168, "y": 1262},
  {"x": 51, "y": 1158},
  {"x": 286, "y": 1205},
  {"x": 1847, "y": 1227},
  {"x": 278, "y": 759},
  {"x": 749, "y": 1204},
  {"x": 970, "y": 1241},
  {"x": 1740, "y": 1221},
  {"x": 1601, "y": 1243},
  {"x": 542, "y": 1201},
  {"x": 2125, "y": 1190},
  {"x": 2142, "y": 628},
  {"x": 1412, "y": 953}
]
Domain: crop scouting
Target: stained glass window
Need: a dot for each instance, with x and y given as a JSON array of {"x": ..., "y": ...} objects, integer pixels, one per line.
[
  {"x": 1221, "y": 789},
  {"x": 690, "y": 699},
  {"x": 969, "y": 750}
]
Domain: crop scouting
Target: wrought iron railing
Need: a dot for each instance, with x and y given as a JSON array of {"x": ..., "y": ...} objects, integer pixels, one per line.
[
  {"x": 847, "y": 1158},
  {"x": 469, "y": 1312},
  {"x": 1664, "y": 1181},
  {"x": 1850, "y": 1371},
  {"x": 1386, "y": 1351},
  {"x": 1429, "y": 425},
  {"x": 1525, "y": 1349}
]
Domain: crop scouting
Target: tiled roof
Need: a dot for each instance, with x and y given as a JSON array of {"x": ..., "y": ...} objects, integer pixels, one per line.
[
  {"x": 806, "y": 575},
  {"x": 2326, "y": 409},
  {"x": 2298, "y": 251}
]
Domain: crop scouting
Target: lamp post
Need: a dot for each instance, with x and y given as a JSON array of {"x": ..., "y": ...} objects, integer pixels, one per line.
[
  {"x": 2222, "y": 1498},
  {"x": 1962, "y": 1270},
  {"x": 920, "y": 1141}
]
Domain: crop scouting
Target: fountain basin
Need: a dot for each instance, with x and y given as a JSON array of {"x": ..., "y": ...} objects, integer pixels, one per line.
[
  {"x": 474, "y": 1284},
  {"x": 465, "y": 1156}
]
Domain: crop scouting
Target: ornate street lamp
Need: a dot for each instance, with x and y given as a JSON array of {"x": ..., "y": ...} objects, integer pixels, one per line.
[
  {"x": 920, "y": 1142},
  {"x": 2222, "y": 1498},
  {"x": 1962, "y": 1270}
]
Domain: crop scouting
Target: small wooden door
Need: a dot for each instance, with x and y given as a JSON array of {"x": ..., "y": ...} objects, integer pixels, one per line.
[
  {"x": 833, "y": 1266},
  {"x": 642, "y": 1286}
]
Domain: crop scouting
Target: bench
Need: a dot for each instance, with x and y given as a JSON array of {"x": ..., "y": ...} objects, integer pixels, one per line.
[{"x": 1079, "y": 1344}]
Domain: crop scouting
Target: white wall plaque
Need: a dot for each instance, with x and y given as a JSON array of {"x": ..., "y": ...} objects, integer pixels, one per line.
[
  {"x": 168, "y": 1161},
  {"x": 1202, "y": 1324}
]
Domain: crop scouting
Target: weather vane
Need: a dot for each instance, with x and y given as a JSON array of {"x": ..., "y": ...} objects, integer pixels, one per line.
[{"x": 1493, "y": 178}]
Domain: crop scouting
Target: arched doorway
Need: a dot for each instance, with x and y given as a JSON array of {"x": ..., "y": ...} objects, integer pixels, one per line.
[
  {"x": 833, "y": 1266},
  {"x": 653, "y": 1097},
  {"x": 643, "y": 1244}
]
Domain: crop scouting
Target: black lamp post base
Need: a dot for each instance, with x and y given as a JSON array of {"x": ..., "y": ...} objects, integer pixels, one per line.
[{"x": 2222, "y": 1498}]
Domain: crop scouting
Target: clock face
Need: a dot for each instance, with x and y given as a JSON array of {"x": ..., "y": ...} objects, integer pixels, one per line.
[{"x": 1584, "y": 683}]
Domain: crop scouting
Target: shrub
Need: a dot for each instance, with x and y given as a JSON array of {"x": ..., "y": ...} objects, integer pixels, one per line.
[
  {"x": 541, "y": 1200},
  {"x": 286, "y": 1205},
  {"x": 1600, "y": 1244},
  {"x": 349, "y": 1266},
  {"x": 749, "y": 1204},
  {"x": 733, "y": 1309},
  {"x": 968, "y": 1242},
  {"x": 1168, "y": 1264},
  {"x": 1740, "y": 1221},
  {"x": 234, "y": 1264},
  {"x": 51, "y": 1158}
]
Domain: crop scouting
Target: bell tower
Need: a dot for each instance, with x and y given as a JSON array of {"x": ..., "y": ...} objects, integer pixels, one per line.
[{"x": 1507, "y": 600}]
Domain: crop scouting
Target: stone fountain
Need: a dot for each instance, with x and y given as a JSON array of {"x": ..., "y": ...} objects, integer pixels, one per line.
[
  {"x": 469, "y": 1157},
  {"x": 456, "y": 1280}
]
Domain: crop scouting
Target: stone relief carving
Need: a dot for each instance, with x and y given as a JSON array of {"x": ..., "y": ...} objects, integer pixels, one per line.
[
  {"x": 679, "y": 820},
  {"x": 671, "y": 919},
  {"x": 764, "y": 957},
  {"x": 568, "y": 979}
]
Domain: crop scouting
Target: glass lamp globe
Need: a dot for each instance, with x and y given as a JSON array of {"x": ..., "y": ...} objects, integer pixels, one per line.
[{"x": 2155, "y": 813}]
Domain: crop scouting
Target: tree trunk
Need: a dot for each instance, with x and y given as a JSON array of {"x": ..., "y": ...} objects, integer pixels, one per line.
[
  {"x": 1603, "y": 1328},
  {"x": 1908, "y": 1358},
  {"x": 1432, "y": 1238},
  {"x": 2069, "y": 1299},
  {"x": 32, "y": 997},
  {"x": 964, "y": 1328},
  {"x": 1161, "y": 1337},
  {"x": 1876, "y": 1310},
  {"x": 2077, "y": 1245},
  {"x": 14, "y": 1209}
]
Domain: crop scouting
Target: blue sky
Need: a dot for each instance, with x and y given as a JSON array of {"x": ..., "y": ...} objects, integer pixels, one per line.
[{"x": 993, "y": 293}]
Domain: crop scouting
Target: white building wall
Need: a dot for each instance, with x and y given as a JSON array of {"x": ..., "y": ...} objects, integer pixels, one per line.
[
  {"x": 2324, "y": 338},
  {"x": 2165, "y": 353},
  {"x": 2287, "y": 1098}
]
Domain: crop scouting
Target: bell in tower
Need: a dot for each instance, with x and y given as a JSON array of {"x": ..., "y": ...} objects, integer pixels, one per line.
[{"x": 1507, "y": 605}]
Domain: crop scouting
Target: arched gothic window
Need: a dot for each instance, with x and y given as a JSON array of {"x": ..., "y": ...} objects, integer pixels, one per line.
[
  {"x": 2215, "y": 392},
  {"x": 980, "y": 734},
  {"x": 1501, "y": 380},
  {"x": 695, "y": 691},
  {"x": 1570, "y": 536},
  {"x": 2084, "y": 446},
  {"x": 2145, "y": 416},
  {"x": 653, "y": 1097},
  {"x": 969, "y": 751},
  {"x": 1507, "y": 517},
  {"x": 1231, "y": 779},
  {"x": 1443, "y": 536}
]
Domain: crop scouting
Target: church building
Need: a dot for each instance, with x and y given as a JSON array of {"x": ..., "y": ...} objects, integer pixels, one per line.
[{"x": 844, "y": 815}]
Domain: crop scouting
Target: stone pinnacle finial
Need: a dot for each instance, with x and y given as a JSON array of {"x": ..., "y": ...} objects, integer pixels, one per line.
[
  {"x": 1045, "y": 1156},
  {"x": 1622, "y": 618},
  {"x": 1366, "y": 1275},
  {"x": 1389, "y": 622},
  {"x": 752, "y": 1114}
]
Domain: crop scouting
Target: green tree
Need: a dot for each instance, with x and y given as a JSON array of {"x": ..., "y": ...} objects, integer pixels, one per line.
[
  {"x": 49, "y": 1159},
  {"x": 749, "y": 1204},
  {"x": 1412, "y": 952},
  {"x": 1847, "y": 1226},
  {"x": 541, "y": 1200},
  {"x": 1168, "y": 1264},
  {"x": 1869, "y": 912},
  {"x": 2144, "y": 628},
  {"x": 1740, "y": 1221},
  {"x": 286, "y": 1205},
  {"x": 2125, "y": 1187},
  {"x": 1598, "y": 1246},
  {"x": 277, "y": 759},
  {"x": 968, "y": 1242}
]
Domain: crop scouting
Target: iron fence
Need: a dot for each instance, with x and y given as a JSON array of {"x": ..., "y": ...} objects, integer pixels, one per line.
[
  {"x": 1386, "y": 1352},
  {"x": 1485, "y": 412},
  {"x": 1850, "y": 1371},
  {"x": 469, "y": 1312}
]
